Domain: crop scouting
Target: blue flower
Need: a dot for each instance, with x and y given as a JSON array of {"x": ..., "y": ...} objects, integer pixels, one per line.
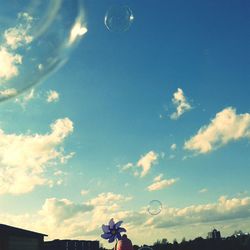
[{"x": 112, "y": 231}]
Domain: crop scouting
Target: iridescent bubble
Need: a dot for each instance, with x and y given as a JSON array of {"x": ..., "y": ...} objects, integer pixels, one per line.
[
  {"x": 154, "y": 207},
  {"x": 36, "y": 38},
  {"x": 118, "y": 18}
]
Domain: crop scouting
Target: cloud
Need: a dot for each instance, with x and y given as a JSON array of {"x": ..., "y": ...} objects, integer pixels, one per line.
[
  {"x": 159, "y": 184},
  {"x": 57, "y": 211},
  {"x": 84, "y": 192},
  {"x": 18, "y": 36},
  {"x": 227, "y": 126},
  {"x": 25, "y": 158},
  {"x": 78, "y": 30},
  {"x": 9, "y": 63},
  {"x": 25, "y": 98},
  {"x": 224, "y": 209},
  {"x": 63, "y": 218},
  {"x": 203, "y": 190},
  {"x": 146, "y": 162},
  {"x": 52, "y": 96},
  {"x": 14, "y": 38},
  {"x": 8, "y": 92},
  {"x": 127, "y": 166},
  {"x": 181, "y": 104},
  {"x": 173, "y": 146},
  {"x": 108, "y": 198}
]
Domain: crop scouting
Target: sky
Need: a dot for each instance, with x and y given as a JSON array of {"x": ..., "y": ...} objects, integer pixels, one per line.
[{"x": 160, "y": 111}]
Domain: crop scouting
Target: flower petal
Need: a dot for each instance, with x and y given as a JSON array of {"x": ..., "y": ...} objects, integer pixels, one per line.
[
  {"x": 118, "y": 224},
  {"x": 111, "y": 224},
  {"x": 106, "y": 236},
  {"x": 118, "y": 236},
  {"x": 121, "y": 229},
  {"x": 112, "y": 238},
  {"x": 105, "y": 228}
]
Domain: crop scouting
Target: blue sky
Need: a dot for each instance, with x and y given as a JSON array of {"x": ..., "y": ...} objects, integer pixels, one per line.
[{"x": 159, "y": 112}]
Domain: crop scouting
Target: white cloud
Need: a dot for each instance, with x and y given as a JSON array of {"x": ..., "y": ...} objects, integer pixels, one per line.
[
  {"x": 14, "y": 38},
  {"x": 9, "y": 62},
  {"x": 159, "y": 184},
  {"x": 158, "y": 177},
  {"x": 182, "y": 106},
  {"x": 62, "y": 218},
  {"x": 8, "y": 92},
  {"x": 78, "y": 30},
  {"x": 127, "y": 166},
  {"x": 18, "y": 36},
  {"x": 146, "y": 162},
  {"x": 25, "y": 98},
  {"x": 227, "y": 126},
  {"x": 203, "y": 190},
  {"x": 59, "y": 210},
  {"x": 52, "y": 96},
  {"x": 24, "y": 159},
  {"x": 224, "y": 209},
  {"x": 173, "y": 146},
  {"x": 84, "y": 192}
]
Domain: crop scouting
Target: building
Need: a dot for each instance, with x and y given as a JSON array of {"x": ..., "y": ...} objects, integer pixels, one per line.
[
  {"x": 215, "y": 234},
  {"x": 71, "y": 245},
  {"x": 13, "y": 238}
]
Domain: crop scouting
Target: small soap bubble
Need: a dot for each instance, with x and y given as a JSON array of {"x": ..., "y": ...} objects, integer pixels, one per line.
[
  {"x": 118, "y": 18},
  {"x": 154, "y": 207}
]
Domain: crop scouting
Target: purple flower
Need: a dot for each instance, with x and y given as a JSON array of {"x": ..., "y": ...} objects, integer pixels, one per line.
[{"x": 112, "y": 231}]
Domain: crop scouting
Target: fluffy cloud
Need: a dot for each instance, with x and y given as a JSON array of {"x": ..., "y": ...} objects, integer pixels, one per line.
[
  {"x": 62, "y": 218},
  {"x": 224, "y": 209},
  {"x": 181, "y": 104},
  {"x": 18, "y": 36},
  {"x": 159, "y": 184},
  {"x": 57, "y": 211},
  {"x": 24, "y": 158},
  {"x": 146, "y": 162},
  {"x": 52, "y": 96},
  {"x": 13, "y": 38},
  {"x": 9, "y": 62},
  {"x": 227, "y": 126}
]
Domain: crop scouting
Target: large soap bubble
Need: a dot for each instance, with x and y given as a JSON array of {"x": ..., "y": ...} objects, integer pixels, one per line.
[
  {"x": 36, "y": 37},
  {"x": 118, "y": 18}
]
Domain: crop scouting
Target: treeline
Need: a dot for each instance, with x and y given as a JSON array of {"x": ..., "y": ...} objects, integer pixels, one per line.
[{"x": 231, "y": 243}]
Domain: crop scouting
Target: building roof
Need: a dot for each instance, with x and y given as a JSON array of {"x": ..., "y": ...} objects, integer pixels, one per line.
[{"x": 14, "y": 230}]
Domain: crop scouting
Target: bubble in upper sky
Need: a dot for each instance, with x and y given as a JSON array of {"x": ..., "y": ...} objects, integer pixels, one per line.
[
  {"x": 118, "y": 18},
  {"x": 35, "y": 39},
  {"x": 154, "y": 207}
]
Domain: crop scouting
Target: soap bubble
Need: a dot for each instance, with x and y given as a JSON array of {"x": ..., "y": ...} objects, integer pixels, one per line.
[
  {"x": 36, "y": 38},
  {"x": 154, "y": 207},
  {"x": 118, "y": 18}
]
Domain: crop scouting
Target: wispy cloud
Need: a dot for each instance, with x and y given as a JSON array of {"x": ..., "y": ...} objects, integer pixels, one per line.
[
  {"x": 227, "y": 126},
  {"x": 25, "y": 98},
  {"x": 173, "y": 146},
  {"x": 146, "y": 162},
  {"x": 52, "y": 96},
  {"x": 180, "y": 102},
  {"x": 84, "y": 192},
  {"x": 159, "y": 184},
  {"x": 203, "y": 190},
  {"x": 25, "y": 158}
]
